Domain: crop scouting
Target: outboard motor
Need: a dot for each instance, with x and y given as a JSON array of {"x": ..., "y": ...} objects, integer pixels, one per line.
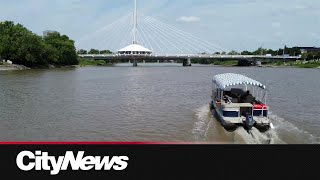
[{"x": 249, "y": 122}]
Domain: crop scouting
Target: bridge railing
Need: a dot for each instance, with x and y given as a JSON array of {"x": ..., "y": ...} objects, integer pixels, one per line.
[{"x": 187, "y": 56}]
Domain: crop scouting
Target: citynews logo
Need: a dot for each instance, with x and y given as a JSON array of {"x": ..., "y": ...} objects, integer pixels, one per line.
[{"x": 42, "y": 161}]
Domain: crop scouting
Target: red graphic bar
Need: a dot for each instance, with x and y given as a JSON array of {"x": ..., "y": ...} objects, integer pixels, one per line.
[{"x": 101, "y": 143}]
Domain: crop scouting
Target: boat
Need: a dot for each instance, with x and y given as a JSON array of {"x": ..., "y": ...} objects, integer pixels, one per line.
[{"x": 238, "y": 100}]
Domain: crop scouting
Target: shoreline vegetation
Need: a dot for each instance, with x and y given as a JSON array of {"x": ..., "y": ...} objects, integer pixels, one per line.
[
  {"x": 86, "y": 62},
  {"x": 22, "y": 49},
  {"x": 296, "y": 64},
  {"x": 102, "y": 63},
  {"x": 20, "y": 46}
]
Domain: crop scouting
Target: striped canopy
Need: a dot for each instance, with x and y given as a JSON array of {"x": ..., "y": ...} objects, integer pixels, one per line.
[{"x": 230, "y": 79}]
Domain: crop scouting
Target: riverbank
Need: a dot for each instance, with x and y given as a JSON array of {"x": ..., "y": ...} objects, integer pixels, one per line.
[
  {"x": 86, "y": 62},
  {"x": 10, "y": 67},
  {"x": 293, "y": 64},
  {"x": 13, "y": 67},
  {"x": 298, "y": 64}
]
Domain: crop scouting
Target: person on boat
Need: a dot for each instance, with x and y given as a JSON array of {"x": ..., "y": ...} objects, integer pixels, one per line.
[{"x": 247, "y": 98}]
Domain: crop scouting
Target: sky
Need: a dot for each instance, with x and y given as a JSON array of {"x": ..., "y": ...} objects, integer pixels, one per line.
[{"x": 232, "y": 24}]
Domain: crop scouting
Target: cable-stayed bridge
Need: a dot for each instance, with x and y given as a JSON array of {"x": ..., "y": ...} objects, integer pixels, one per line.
[{"x": 138, "y": 37}]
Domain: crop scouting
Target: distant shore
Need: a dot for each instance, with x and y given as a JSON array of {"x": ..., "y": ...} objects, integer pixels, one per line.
[{"x": 11, "y": 67}]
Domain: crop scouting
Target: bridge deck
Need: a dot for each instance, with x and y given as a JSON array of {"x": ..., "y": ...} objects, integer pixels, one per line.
[{"x": 183, "y": 56}]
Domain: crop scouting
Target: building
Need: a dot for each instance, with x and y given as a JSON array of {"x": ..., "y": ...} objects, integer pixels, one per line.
[
  {"x": 48, "y": 32},
  {"x": 134, "y": 49},
  {"x": 309, "y": 49}
]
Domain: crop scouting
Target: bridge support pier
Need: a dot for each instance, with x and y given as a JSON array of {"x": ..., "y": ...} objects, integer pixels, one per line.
[
  {"x": 135, "y": 63},
  {"x": 187, "y": 62},
  {"x": 245, "y": 62}
]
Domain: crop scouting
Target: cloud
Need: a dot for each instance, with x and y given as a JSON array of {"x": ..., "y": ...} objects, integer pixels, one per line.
[{"x": 188, "y": 19}]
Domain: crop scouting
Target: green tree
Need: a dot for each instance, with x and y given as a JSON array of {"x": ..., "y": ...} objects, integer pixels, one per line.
[
  {"x": 246, "y": 53},
  {"x": 272, "y": 52},
  {"x": 105, "y": 52},
  {"x": 260, "y": 51},
  {"x": 233, "y": 53},
  {"x": 82, "y": 51},
  {"x": 21, "y": 46},
  {"x": 93, "y": 51},
  {"x": 64, "y": 48},
  {"x": 294, "y": 51}
]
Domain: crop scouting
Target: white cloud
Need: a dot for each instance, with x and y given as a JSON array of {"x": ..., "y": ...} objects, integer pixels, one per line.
[{"x": 188, "y": 19}]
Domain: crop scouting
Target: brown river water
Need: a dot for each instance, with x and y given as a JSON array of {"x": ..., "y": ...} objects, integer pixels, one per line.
[{"x": 152, "y": 102}]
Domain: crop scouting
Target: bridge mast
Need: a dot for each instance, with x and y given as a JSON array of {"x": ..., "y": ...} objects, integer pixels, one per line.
[{"x": 135, "y": 23}]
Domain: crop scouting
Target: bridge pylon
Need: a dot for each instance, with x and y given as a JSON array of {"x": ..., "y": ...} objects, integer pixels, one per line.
[
  {"x": 187, "y": 62},
  {"x": 135, "y": 62}
]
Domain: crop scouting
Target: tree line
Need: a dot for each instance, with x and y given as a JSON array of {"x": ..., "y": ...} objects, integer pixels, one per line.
[
  {"x": 94, "y": 51},
  {"x": 293, "y": 51},
  {"x": 23, "y": 47}
]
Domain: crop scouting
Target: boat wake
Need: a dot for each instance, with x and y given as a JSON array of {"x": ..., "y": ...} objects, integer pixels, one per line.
[
  {"x": 290, "y": 132},
  {"x": 207, "y": 128},
  {"x": 241, "y": 136},
  {"x": 202, "y": 124}
]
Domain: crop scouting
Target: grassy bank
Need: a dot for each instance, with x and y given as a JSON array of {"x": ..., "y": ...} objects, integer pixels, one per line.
[
  {"x": 299, "y": 64},
  {"x": 308, "y": 65},
  {"x": 215, "y": 62},
  {"x": 226, "y": 63},
  {"x": 87, "y": 62}
]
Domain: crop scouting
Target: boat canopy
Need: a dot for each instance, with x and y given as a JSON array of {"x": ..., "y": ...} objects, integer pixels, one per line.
[{"x": 230, "y": 79}]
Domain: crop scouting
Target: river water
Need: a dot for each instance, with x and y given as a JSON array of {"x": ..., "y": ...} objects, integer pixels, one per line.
[{"x": 153, "y": 102}]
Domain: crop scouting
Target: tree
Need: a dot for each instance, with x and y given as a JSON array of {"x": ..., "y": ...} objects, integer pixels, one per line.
[
  {"x": 105, "y": 52},
  {"x": 279, "y": 52},
  {"x": 294, "y": 51},
  {"x": 260, "y": 51},
  {"x": 272, "y": 52},
  {"x": 93, "y": 51},
  {"x": 246, "y": 53},
  {"x": 64, "y": 47},
  {"x": 311, "y": 55},
  {"x": 233, "y": 53},
  {"x": 82, "y": 51},
  {"x": 21, "y": 46}
]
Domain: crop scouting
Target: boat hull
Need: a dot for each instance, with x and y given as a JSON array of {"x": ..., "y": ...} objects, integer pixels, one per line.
[
  {"x": 233, "y": 126},
  {"x": 226, "y": 125}
]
